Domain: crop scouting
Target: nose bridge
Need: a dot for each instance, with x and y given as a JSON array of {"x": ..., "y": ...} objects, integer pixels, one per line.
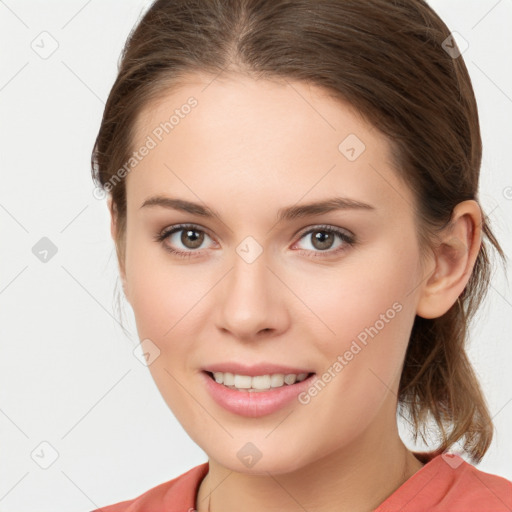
[{"x": 250, "y": 299}]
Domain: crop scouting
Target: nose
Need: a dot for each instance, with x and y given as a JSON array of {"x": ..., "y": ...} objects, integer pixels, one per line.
[{"x": 251, "y": 301}]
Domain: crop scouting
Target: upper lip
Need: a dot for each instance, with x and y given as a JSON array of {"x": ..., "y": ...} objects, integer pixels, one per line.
[{"x": 253, "y": 370}]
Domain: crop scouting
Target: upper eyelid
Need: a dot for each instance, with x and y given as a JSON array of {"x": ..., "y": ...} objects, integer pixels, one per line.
[
  {"x": 181, "y": 227},
  {"x": 178, "y": 227},
  {"x": 300, "y": 233},
  {"x": 326, "y": 227}
]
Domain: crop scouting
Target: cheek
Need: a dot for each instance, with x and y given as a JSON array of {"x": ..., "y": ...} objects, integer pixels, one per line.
[
  {"x": 368, "y": 296},
  {"x": 162, "y": 293},
  {"x": 371, "y": 310},
  {"x": 164, "y": 301},
  {"x": 371, "y": 316}
]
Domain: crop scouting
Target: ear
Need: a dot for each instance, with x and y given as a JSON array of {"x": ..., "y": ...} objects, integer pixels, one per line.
[
  {"x": 113, "y": 231},
  {"x": 112, "y": 212},
  {"x": 454, "y": 258}
]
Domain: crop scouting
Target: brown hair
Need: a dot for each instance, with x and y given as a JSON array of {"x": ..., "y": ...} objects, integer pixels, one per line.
[{"x": 387, "y": 59}]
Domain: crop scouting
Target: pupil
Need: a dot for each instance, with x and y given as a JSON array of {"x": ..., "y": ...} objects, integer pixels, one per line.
[
  {"x": 189, "y": 235},
  {"x": 324, "y": 239}
]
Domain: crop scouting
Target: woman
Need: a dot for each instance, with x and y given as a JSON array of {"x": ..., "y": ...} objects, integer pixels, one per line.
[{"x": 293, "y": 187}]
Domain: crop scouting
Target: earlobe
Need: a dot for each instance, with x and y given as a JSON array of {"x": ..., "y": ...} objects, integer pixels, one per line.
[
  {"x": 455, "y": 257},
  {"x": 112, "y": 217}
]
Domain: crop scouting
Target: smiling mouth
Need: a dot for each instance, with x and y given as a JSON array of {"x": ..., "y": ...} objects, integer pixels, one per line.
[{"x": 258, "y": 383}]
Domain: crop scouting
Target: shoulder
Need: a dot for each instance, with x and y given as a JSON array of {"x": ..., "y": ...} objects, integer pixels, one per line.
[
  {"x": 448, "y": 482},
  {"x": 176, "y": 494},
  {"x": 481, "y": 490}
]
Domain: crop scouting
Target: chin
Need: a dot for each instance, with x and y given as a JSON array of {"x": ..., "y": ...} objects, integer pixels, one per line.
[{"x": 274, "y": 462}]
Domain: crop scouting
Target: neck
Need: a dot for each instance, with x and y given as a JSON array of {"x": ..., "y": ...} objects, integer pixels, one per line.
[{"x": 357, "y": 478}]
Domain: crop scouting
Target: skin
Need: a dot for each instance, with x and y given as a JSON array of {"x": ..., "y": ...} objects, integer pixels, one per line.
[{"x": 248, "y": 149}]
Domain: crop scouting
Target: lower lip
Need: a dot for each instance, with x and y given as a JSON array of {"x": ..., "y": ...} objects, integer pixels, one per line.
[{"x": 253, "y": 404}]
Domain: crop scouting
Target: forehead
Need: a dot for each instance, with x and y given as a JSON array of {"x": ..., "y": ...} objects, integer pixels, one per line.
[
  {"x": 238, "y": 135},
  {"x": 237, "y": 101}
]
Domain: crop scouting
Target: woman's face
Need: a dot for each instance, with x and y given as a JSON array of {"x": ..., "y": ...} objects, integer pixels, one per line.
[{"x": 327, "y": 290}]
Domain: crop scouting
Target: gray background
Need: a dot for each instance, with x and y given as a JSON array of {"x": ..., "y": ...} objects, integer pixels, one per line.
[{"x": 68, "y": 374}]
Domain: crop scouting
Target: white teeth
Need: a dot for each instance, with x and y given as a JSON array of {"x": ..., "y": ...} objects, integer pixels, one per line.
[
  {"x": 243, "y": 381},
  {"x": 229, "y": 379},
  {"x": 277, "y": 380},
  {"x": 290, "y": 378},
  {"x": 258, "y": 382}
]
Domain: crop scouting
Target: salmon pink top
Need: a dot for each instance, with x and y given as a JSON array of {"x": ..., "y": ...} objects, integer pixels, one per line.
[{"x": 446, "y": 483}]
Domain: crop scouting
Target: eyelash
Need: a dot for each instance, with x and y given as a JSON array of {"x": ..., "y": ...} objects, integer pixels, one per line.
[{"x": 348, "y": 240}]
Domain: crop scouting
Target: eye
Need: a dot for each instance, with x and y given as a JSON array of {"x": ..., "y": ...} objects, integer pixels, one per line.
[
  {"x": 324, "y": 239},
  {"x": 190, "y": 236}
]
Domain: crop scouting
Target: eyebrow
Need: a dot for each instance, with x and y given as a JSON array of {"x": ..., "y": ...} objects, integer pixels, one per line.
[{"x": 287, "y": 213}]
